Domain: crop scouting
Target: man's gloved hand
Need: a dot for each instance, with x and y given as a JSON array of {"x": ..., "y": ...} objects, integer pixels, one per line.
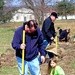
[
  {"x": 52, "y": 38},
  {"x": 42, "y": 59},
  {"x": 22, "y": 46}
]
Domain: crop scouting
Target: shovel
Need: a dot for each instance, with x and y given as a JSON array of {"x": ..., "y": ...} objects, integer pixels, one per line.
[
  {"x": 23, "y": 37},
  {"x": 56, "y": 45}
]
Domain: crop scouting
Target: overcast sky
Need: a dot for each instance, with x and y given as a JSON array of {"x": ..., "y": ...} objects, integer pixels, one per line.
[{"x": 16, "y": 2}]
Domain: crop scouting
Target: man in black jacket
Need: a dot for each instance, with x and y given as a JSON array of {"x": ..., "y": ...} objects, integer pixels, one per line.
[{"x": 48, "y": 31}]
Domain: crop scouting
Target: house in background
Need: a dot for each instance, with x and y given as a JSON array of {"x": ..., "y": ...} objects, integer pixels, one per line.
[
  {"x": 22, "y": 15},
  {"x": 68, "y": 17}
]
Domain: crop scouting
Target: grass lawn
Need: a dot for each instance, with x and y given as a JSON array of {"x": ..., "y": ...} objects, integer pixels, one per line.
[
  {"x": 9, "y": 71},
  {"x": 6, "y": 35}
]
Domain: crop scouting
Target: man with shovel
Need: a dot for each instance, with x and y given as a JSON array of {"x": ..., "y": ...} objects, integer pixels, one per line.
[
  {"x": 48, "y": 31},
  {"x": 34, "y": 45}
]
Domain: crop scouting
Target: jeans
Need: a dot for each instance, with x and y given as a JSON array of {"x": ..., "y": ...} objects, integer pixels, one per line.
[
  {"x": 30, "y": 66},
  {"x": 51, "y": 55}
]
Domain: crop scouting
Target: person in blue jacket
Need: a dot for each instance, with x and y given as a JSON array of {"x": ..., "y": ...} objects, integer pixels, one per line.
[
  {"x": 33, "y": 46},
  {"x": 48, "y": 31},
  {"x": 64, "y": 35}
]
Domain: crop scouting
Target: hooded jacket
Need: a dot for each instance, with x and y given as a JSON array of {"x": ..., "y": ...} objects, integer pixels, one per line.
[{"x": 34, "y": 44}]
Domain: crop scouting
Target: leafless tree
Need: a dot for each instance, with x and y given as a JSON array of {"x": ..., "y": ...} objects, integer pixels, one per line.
[{"x": 39, "y": 8}]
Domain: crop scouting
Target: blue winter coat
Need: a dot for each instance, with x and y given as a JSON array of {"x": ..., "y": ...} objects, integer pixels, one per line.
[{"x": 34, "y": 44}]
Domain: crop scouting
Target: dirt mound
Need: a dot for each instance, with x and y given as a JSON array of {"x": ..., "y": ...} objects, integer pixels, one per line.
[
  {"x": 66, "y": 61},
  {"x": 8, "y": 58}
]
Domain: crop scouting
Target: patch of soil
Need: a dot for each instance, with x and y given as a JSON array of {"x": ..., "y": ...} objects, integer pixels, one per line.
[
  {"x": 65, "y": 62},
  {"x": 8, "y": 58}
]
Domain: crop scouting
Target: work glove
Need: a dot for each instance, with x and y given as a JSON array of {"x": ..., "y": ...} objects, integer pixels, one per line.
[
  {"x": 22, "y": 46},
  {"x": 42, "y": 59}
]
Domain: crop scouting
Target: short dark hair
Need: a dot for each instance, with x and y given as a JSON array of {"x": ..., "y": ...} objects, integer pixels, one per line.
[{"x": 35, "y": 24}]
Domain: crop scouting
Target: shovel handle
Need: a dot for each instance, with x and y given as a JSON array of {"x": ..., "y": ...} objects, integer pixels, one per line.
[
  {"x": 23, "y": 53},
  {"x": 56, "y": 46},
  {"x": 55, "y": 41}
]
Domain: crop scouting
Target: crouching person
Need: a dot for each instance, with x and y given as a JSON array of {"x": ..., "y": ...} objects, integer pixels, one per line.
[{"x": 64, "y": 35}]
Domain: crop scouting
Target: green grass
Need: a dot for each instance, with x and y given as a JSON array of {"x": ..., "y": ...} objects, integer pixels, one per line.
[
  {"x": 5, "y": 39},
  {"x": 73, "y": 63},
  {"x": 9, "y": 71},
  {"x": 6, "y": 35}
]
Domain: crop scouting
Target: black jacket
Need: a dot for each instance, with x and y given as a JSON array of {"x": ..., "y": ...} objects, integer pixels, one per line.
[
  {"x": 48, "y": 29},
  {"x": 63, "y": 34}
]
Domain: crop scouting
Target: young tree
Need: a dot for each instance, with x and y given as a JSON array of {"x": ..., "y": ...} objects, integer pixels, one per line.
[
  {"x": 1, "y": 4},
  {"x": 6, "y": 11},
  {"x": 1, "y": 9},
  {"x": 65, "y": 8}
]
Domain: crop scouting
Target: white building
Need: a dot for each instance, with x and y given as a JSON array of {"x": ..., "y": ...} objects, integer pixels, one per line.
[
  {"x": 68, "y": 17},
  {"x": 22, "y": 15}
]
